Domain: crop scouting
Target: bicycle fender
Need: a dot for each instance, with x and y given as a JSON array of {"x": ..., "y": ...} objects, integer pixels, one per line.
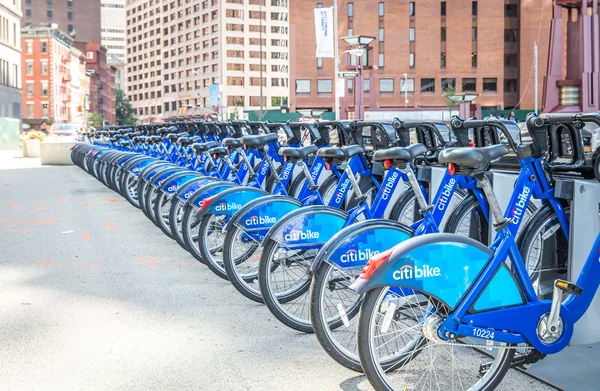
[
  {"x": 187, "y": 189},
  {"x": 230, "y": 201},
  {"x": 135, "y": 166},
  {"x": 208, "y": 190},
  {"x": 172, "y": 183},
  {"x": 444, "y": 266},
  {"x": 260, "y": 214},
  {"x": 161, "y": 176},
  {"x": 151, "y": 170},
  {"x": 308, "y": 225},
  {"x": 354, "y": 245}
]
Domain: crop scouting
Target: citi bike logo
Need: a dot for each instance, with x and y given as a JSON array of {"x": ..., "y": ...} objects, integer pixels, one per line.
[
  {"x": 260, "y": 220},
  {"x": 339, "y": 196},
  {"x": 521, "y": 204},
  {"x": 300, "y": 235},
  {"x": 222, "y": 207},
  {"x": 136, "y": 170},
  {"x": 172, "y": 188},
  {"x": 287, "y": 171},
  {"x": 188, "y": 194},
  {"x": 263, "y": 169},
  {"x": 389, "y": 185},
  {"x": 408, "y": 272},
  {"x": 446, "y": 194},
  {"x": 353, "y": 255},
  {"x": 315, "y": 170}
]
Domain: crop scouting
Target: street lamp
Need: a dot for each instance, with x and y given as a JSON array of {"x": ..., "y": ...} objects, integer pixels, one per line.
[{"x": 359, "y": 43}]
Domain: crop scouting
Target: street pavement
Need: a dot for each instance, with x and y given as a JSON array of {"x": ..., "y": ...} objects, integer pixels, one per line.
[{"x": 94, "y": 297}]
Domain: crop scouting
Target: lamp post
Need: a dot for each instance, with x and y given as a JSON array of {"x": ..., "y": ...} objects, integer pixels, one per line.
[{"x": 359, "y": 43}]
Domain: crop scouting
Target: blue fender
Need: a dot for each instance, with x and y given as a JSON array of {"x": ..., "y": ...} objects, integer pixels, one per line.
[
  {"x": 187, "y": 189},
  {"x": 230, "y": 201},
  {"x": 152, "y": 169},
  {"x": 209, "y": 190},
  {"x": 161, "y": 176},
  {"x": 136, "y": 165},
  {"x": 444, "y": 266},
  {"x": 308, "y": 226},
  {"x": 172, "y": 183},
  {"x": 354, "y": 245},
  {"x": 260, "y": 214}
]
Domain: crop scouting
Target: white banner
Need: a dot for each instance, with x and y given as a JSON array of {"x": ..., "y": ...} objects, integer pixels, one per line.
[{"x": 324, "y": 32}]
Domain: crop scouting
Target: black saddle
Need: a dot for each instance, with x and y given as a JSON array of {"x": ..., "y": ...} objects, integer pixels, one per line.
[
  {"x": 201, "y": 147},
  {"x": 218, "y": 151},
  {"x": 474, "y": 158},
  {"x": 258, "y": 141},
  {"x": 172, "y": 136},
  {"x": 406, "y": 154},
  {"x": 343, "y": 153},
  {"x": 184, "y": 141},
  {"x": 298, "y": 153},
  {"x": 232, "y": 142},
  {"x": 156, "y": 139}
]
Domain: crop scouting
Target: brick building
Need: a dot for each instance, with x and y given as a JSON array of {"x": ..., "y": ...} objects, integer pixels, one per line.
[
  {"x": 480, "y": 47},
  {"x": 46, "y": 75},
  {"x": 80, "y": 18},
  {"x": 102, "y": 80}
]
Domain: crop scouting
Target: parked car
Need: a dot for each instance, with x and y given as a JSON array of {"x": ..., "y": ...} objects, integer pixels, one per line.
[{"x": 64, "y": 132}]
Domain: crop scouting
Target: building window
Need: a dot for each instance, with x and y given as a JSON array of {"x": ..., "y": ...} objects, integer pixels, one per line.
[
  {"x": 302, "y": 86},
  {"x": 490, "y": 84},
  {"x": 443, "y": 8},
  {"x": 28, "y": 47},
  {"x": 28, "y": 13},
  {"x": 407, "y": 85},
  {"x": 511, "y": 61},
  {"x": 511, "y": 85},
  {"x": 443, "y": 61},
  {"x": 69, "y": 15},
  {"x": 49, "y": 14},
  {"x": 427, "y": 85},
  {"x": 70, "y": 28},
  {"x": 319, "y": 62},
  {"x": 325, "y": 86},
  {"x": 350, "y": 9},
  {"x": 89, "y": 55},
  {"x": 30, "y": 90},
  {"x": 448, "y": 82},
  {"x": 45, "y": 110},
  {"x": 381, "y": 8},
  {"x": 350, "y": 86},
  {"x": 443, "y": 34},
  {"x": 367, "y": 85},
  {"x": 381, "y": 35},
  {"x": 44, "y": 46},
  {"x": 44, "y": 88},
  {"x": 30, "y": 110},
  {"x": 469, "y": 85},
  {"x": 29, "y": 68},
  {"x": 411, "y": 8},
  {"x": 511, "y": 35},
  {"x": 386, "y": 85},
  {"x": 381, "y": 60},
  {"x": 44, "y": 67},
  {"x": 511, "y": 10},
  {"x": 319, "y": 5},
  {"x": 411, "y": 34},
  {"x": 350, "y": 32},
  {"x": 474, "y": 60},
  {"x": 411, "y": 60},
  {"x": 474, "y": 8}
]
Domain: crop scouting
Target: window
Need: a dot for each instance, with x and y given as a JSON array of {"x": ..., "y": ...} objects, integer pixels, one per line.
[
  {"x": 411, "y": 60},
  {"x": 511, "y": 10},
  {"x": 511, "y": 35},
  {"x": 350, "y": 32},
  {"x": 443, "y": 34},
  {"x": 474, "y": 59},
  {"x": 381, "y": 35},
  {"x": 411, "y": 8},
  {"x": 69, "y": 15},
  {"x": 381, "y": 60},
  {"x": 29, "y": 90},
  {"x": 473, "y": 33},
  {"x": 49, "y": 14},
  {"x": 511, "y": 61},
  {"x": 367, "y": 85},
  {"x": 44, "y": 46},
  {"x": 44, "y": 88},
  {"x": 319, "y": 5},
  {"x": 443, "y": 8},
  {"x": 411, "y": 34},
  {"x": 44, "y": 67},
  {"x": 443, "y": 60},
  {"x": 302, "y": 86},
  {"x": 474, "y": 8},
  {"x": 70, "y": 28},
  {"x": 350, "y": 85},
  {"x": 490, "y": 84},
  {"x": 28, "y": 47},
  {"x": 381, "y": 8},
  {"x": 30, "y": 110},
  {"x": 511, "y": 85},
  {"x": 44, "y": 110},
  {"x": 29, "y": 68},
  {"x": 319, "y": 62},
  {"x": 324, "y": 86},
  {"x": 407, "y": 85},
  {"x": 469, "y": 85},
  {"x": 28, "y": 13},
  {"x": 350, "y": 9},
  {"x": 427, "y": 85},
  {"x": 386, "y": 85},
  {"x": 447, "y": 83}
]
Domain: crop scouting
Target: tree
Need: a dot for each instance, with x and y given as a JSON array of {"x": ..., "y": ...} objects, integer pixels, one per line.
[
  {"x": 125, "y": 113},
  {"x": 96, "y": 120},
  {"x": 450, "y": 92}
]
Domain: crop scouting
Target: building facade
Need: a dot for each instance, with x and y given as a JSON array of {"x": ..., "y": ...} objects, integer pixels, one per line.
[
  {"x": 422, "y": 50},
  {"x": 10, "y": 73},
  {"x": 81, "y": 19},
  {"x": 80, "y": 93},
  {"x": 112, "y": 13},
  {"x": 176, "y": 51},
  {"x": 102, "y": 80},
  {"x": 46, "y": 74}
]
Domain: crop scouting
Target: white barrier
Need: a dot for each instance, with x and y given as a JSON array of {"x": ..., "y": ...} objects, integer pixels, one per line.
[{"x": 56, "y": 153}]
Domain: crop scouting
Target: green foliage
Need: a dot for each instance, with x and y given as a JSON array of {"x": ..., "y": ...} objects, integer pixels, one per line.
[
  {"x": 125, "y": 112},
  {"x": 449, "y": 92},
  {"x": 96, "y": 120}
]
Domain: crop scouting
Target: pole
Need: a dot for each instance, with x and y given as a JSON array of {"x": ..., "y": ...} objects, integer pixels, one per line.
[
  {"x": 337, "y": 60},
  {"x": 261, "y": 61},
  {"x": 535, "y": 68}
]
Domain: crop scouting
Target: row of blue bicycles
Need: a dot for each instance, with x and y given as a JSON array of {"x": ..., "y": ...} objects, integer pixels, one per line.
[{"x": 339, "y": 229}]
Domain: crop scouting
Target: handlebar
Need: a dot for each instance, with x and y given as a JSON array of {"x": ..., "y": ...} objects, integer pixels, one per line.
[{"x": 478, "y": 123}]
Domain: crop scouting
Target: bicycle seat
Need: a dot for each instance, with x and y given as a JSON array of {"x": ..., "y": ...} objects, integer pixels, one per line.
[
  {"x": 156, "y": 139},
  {"x": 184, "y": 141},
  {"x": 183, "y": 134},
  {"x": 218, "y": 151},
  {"x": 232, "y": 142},
  {"x": 201, "y": 147},
  {"x": 172, "y": 136},
  {"x": 343, "y": 153},
  {"x": 407, "y": 154},
  {"x": 258, "y": 141},
  {"x": 473, "y": 158},
  {"x": 298, "y": 153}
]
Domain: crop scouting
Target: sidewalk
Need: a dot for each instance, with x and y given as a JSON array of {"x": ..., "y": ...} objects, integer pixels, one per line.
[{"x": 13, "y": 159}]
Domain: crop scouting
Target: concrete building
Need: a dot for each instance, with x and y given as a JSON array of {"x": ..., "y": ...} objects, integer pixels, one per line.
[
  {"x": 102, "y": 80},
  {"x": 10, "y": 73},
  {"x": 80, "y": 18},
  {"x": 113, "y": 29},
  {"x": 46, "y": 73},
  {"x": 420, "y": 48},
  {"x": 176, "y": 51}
]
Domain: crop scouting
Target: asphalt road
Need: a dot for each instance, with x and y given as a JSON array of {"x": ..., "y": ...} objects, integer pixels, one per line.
[{"x": 94, "y": 297}]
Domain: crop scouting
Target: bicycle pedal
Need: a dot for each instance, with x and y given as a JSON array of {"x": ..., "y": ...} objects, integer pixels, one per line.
[{"x": 568, "y": 287}]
